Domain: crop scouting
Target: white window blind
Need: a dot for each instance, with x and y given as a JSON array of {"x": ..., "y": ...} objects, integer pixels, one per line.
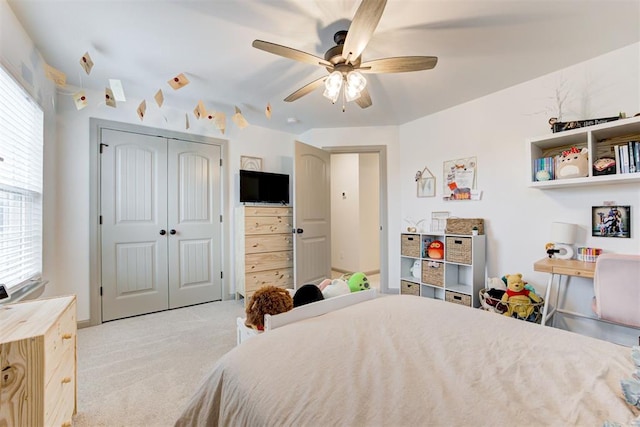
[{"x": 21, "y": 141}]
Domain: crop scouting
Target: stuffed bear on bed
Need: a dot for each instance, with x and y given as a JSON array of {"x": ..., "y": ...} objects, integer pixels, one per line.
[{"x": 267, "y": 300}]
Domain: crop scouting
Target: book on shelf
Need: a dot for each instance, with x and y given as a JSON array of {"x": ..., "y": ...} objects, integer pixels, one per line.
[
  {"x": 627, "y": 157},
  {"x": 544, "y": 169}
]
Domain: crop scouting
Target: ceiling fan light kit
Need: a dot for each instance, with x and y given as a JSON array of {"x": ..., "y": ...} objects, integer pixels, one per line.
[
  {"x": 344, "y": 61},
  {"x": 353, "y": 83}
]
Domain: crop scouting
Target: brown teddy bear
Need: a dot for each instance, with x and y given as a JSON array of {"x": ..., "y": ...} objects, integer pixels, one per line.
[{"x": 267, "y": 300}]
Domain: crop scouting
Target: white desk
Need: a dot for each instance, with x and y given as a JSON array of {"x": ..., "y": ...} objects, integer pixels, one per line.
[{"x": 559, "y": 268}]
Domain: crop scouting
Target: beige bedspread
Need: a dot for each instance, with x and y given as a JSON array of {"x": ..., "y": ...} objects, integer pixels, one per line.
[{"x": 409, "y": 361}]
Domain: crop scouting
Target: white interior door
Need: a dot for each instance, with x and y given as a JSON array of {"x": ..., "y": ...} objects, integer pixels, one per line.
[
  {"x": 312, "y": 212},
  {"x": 133, "y": 200},
  {"x": 194, "y": 223},
  {"x": 161, "y": 231}
]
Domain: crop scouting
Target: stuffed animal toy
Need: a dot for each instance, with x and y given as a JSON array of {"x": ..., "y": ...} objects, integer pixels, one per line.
[
  {"x": 517, "y": 298},
  {"x": 333, "y": 288},
  {"x": 572, "y": 163},
  {"x": 307, "y": 294},
  {"x": 267, "y": 300},
  {"x": 491, "y": 300},
  {"x": 358, "y": 282},
  {"x": 435, "y": 250}
]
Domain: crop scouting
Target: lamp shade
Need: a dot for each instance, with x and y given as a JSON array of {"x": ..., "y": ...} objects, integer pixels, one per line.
[{"x": 562, "y": 232}]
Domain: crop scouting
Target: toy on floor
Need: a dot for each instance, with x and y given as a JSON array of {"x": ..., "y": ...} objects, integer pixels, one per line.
[
  {"x": 518, "y": 298},
  {"x": 267, "y": 300},
  {"x": 307, "y": 294}
]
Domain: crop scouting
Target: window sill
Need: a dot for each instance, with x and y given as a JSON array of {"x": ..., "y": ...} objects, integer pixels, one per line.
[{"x": 30, "y": 289}]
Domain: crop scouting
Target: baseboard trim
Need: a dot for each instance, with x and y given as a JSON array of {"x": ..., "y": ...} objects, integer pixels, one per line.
[{"x": 84, "y": 324}]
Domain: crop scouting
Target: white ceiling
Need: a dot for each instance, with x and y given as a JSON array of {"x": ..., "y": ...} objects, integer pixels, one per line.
[{"x": 483, "y": 46}]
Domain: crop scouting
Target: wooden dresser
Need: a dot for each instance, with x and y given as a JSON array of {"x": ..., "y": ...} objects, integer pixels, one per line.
[
  {"x": 38, "y": 362},
  {"x": 264, "y": 248}
]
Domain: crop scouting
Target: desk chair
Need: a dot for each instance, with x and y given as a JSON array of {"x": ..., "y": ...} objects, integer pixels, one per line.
[{"x": 616, "y": 286}]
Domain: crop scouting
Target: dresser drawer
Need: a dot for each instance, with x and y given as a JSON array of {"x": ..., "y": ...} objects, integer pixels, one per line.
[
  {"x": 268, "y": 243},
  {"x": 280, "y": 277},
  {"x": 267, "y": 211},
  {"x": 268, "y": 261},
  {"x": 267, "y": 224},
  {"x": 59, "y": 339}
]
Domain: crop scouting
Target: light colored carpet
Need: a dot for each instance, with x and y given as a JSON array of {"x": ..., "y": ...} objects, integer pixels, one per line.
[{"x": 141, "y": 371}]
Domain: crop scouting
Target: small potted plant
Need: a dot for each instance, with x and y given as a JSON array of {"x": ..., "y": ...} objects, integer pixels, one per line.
[{"x": 474, "y": 231}]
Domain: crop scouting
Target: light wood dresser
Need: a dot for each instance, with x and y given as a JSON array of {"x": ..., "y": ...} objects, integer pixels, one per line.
[
  {"x": 38, "y": 362},
  {"x": 264, "y": 248}
]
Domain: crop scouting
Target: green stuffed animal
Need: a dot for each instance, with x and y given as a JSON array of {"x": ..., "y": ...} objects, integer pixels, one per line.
[
  {"x": 517, "y": 298},
  {"x": 358, "y": 282}
]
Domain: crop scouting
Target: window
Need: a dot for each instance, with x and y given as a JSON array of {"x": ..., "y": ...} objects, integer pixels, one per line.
[{"x": 21, "y": 141}]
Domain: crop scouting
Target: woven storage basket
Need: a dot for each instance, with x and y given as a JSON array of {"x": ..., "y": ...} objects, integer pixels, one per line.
[
  {"x": 409, "y": 288},
  {"x": 433, "y": 273},
  {"x": 410, "y": 245},
  {"x": 464, "y": 225},
  {"x": 495, "y": 305},
  {"x": 458, "y": 249},
  {"x": 457, "y": 298}
]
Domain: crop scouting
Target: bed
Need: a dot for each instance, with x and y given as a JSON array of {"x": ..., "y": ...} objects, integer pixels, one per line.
[{"x": 406, "y": 361}]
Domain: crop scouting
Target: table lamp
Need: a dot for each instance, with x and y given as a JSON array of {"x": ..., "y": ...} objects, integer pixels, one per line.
[{"x": 563, "y": 236}]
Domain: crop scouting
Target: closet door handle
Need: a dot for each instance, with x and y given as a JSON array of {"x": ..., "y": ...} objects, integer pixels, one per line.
[
  {"x": 163, "y": 232},
  {"x": 172, "y": 232}
]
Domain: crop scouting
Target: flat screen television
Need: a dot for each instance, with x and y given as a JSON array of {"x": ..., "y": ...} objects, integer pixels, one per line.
[{"x": 263, "y": 187}]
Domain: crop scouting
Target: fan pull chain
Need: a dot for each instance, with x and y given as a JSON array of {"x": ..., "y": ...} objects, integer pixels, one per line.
[{"x": 344, "y": 100}]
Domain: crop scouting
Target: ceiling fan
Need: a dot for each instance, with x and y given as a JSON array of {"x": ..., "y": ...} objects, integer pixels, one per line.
[{"x": 344, "y": 61}]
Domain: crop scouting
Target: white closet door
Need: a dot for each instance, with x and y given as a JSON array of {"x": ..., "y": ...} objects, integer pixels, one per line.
[
  {"x": 133, "y": 200},
  {"x": 195, "y": 236}
]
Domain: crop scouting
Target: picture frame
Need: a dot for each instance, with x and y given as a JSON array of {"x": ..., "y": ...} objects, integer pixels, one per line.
[
  {"x": 611, "y": 221},
  {"x": 250, "y": 163},
  {"x": 426, "y": 187}
]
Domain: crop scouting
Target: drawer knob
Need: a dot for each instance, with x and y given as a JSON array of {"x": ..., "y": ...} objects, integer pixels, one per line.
[
  {"x": 67, "y": 336},
  {"x": 66, "y": 380},
  {"x": 66, "y": 424}
]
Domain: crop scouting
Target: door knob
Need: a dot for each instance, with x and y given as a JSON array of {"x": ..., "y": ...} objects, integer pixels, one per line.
[
  {"x": 172, "y": 232},
  {"x": 299, "y": 231},
  {"x": 163, "y": 232}
]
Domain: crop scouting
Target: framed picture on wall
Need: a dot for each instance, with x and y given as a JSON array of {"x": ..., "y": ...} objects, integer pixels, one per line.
[
  {"x": 250, "y": 163},
  {"x": 611, "y": 221},
  {"x": 427, "y": 187}
]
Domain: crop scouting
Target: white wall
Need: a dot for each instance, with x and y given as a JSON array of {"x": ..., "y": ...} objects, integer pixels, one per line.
[
  {"x": 494, "y": 129},
  {"x": 345, "y": 212}
]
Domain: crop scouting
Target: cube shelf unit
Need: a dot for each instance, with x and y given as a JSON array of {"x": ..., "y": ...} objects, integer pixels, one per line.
[
  {"x": 458, "y": 277},
  {"x": 599, "y": 141}
]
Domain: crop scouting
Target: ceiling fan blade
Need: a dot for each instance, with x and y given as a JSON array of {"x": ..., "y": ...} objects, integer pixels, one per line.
[
  {"x": 362, "y": 27},
  {"x": 400, "y": 64},
  {"x": 287, "y": 52},
  {"x": 364, "y": 100},
  {"x": 304, "y": 90}
]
